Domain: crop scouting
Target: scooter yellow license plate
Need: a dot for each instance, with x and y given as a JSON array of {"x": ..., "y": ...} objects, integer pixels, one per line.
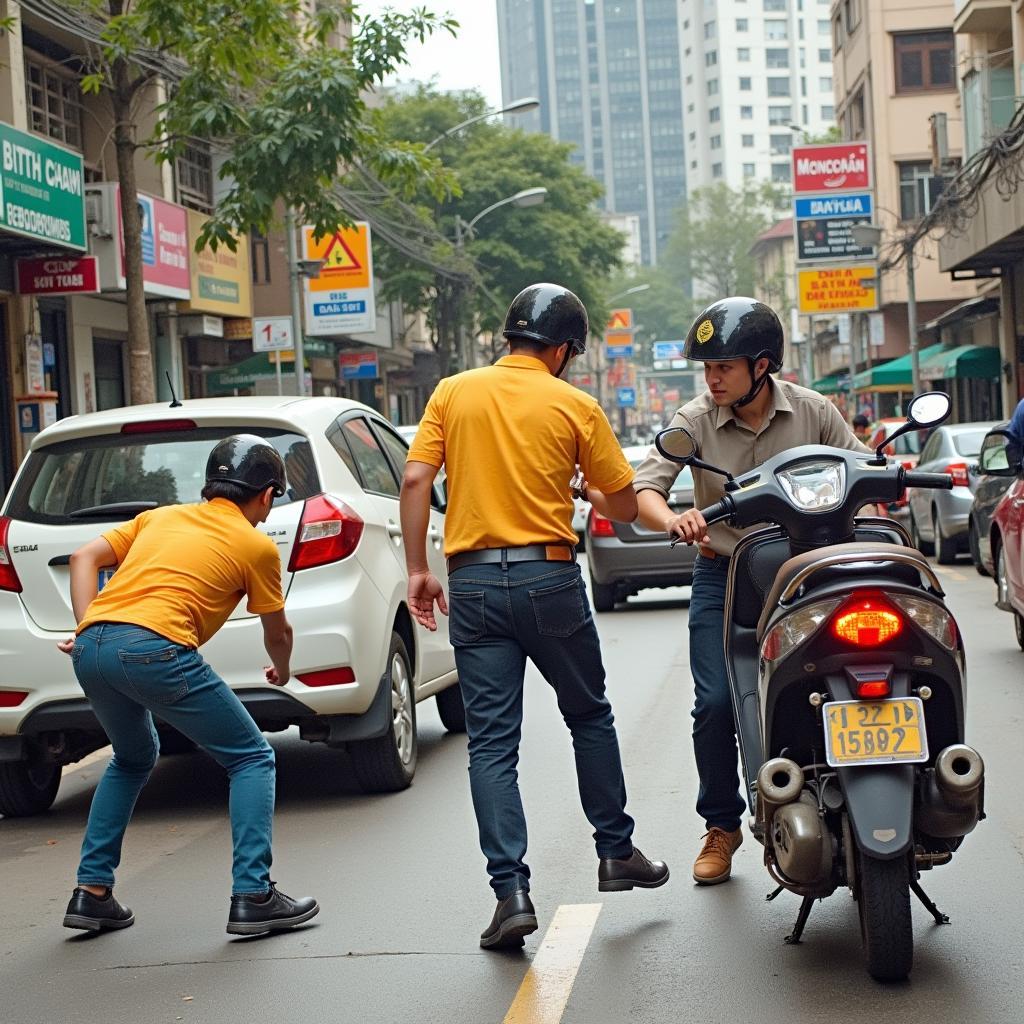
[{"x": 875, "y": 732}]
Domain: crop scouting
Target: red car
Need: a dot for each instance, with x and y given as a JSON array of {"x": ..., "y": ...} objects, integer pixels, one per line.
[{"x": 1007, "y": 535}]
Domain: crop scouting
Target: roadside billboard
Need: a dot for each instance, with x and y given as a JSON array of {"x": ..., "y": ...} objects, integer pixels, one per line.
[
  {"x": 834, "y": 167},
  {"x": 822, "y": 226},
  {"x": 340, "y": 299},
  {"x": 839, "y": 289},
  {"x": 222, "y": 280}
]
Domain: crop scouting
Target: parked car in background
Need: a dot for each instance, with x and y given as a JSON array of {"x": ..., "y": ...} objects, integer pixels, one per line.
[
  {"x": 360, "y": 662},
  {"x": 992, "y": 485},
  {"x": 939, "y": 519},
  {"x": 1006, "y": 538},
  {"x": 625, "y": 558},
  {"x": 906, "y": 448}
]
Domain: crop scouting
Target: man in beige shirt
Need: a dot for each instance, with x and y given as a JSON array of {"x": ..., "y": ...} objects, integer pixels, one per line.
[{"x": 744, "y": 418}]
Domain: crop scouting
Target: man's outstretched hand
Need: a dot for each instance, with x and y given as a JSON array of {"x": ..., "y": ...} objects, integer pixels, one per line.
[{"x": 424, "y": 590}]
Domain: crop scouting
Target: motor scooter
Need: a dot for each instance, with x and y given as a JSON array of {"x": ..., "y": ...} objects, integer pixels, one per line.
[{"x": 848, "y": 682}]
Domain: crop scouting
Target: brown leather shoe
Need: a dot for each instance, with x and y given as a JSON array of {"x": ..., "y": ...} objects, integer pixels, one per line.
[{"x": 714, "y": 862}]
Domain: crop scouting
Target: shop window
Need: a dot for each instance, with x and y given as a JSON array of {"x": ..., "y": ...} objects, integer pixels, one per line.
[
  {"x": 924, "y": 61},
  {"x": 108, "y": 365},
  {"x": 54, "y": 103},
  {"x": 193, "y": 170},
  {"x": 259, "y": 251}
]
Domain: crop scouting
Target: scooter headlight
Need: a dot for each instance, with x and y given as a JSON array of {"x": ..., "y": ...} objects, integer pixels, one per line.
[
  {"x": 814, "y": 486},
  {"x": 932, "y": 618},
  {"x": 790, "y": 632}
]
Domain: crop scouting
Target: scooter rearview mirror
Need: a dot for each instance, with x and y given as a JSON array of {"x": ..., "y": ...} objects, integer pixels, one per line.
[
  {"x": 677, "y": 444},
  {"x": 928, "y": 409}
]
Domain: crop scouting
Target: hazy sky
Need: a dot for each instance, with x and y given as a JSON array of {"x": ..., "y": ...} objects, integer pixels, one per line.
[{"x": 469, "y": 61}]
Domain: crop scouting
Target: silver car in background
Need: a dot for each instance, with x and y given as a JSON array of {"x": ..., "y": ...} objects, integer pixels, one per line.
[
  {"x": 625, "y": 558},
  {"x": 939, "y": 520}
]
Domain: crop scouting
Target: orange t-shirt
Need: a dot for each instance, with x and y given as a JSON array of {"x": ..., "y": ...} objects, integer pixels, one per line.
[
  {"x": 509, "y": 437},
  {"x": 182, "y": 569}
]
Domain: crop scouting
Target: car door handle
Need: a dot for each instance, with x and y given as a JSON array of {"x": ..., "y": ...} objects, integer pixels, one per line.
[{"x": 394, "y": 530}]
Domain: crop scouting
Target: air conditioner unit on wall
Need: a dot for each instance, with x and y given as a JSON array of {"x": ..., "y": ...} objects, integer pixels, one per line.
[{"x": 100, "y": 214}]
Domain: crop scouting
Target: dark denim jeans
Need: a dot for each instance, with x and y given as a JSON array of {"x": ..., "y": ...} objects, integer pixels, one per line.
[
  {"x": 499, "y": 618},
  {"x": 128, "y": 672},
  {"x": 719, "y": 801}
]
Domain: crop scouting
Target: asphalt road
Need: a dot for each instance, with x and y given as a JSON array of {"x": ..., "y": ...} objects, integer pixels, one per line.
[{"x": 404, "y": 894}]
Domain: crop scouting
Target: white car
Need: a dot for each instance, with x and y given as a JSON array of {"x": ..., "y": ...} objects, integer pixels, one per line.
[{"x": 360, "y": 663}]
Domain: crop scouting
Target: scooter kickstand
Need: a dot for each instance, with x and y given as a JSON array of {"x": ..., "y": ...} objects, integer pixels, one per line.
[
  {"x": 772, "y": 895},
  {"x": 940, "y": 917},
  {"x": 793, "y": 939}
]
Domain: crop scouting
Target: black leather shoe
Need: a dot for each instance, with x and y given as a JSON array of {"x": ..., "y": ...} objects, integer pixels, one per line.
[
  {"x": 635, "y": 870},
  {"x": 257, "y": 915},
  {"x": 91, "y": 914},
  {"x": 513, "y": 918}
]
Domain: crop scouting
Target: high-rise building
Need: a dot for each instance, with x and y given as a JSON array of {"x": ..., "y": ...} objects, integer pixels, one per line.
[
  {"x": 757, "y": 77},
  {"x": 608, "y": 78}
]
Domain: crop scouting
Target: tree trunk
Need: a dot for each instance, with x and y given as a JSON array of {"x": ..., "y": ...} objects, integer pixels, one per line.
[{"x": 140, "y": 355}]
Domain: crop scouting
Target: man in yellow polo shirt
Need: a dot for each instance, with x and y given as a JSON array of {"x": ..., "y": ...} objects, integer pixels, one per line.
[
  {"x": 181, "y": 571},
  {"x": 510, "y": 437}
]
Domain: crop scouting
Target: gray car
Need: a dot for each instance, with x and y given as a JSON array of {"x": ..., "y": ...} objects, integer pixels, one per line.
[
  {"x": 939, "y": 520},
  {"x": 626, "y": 558}
]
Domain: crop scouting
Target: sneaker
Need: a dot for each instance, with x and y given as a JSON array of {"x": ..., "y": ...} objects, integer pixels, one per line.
[
  {"x": 93, "y": 913},
  {"x": 256, "y": 915},
  {"x": 635, "y": 870},
  {"x": 714, "y": 862}
]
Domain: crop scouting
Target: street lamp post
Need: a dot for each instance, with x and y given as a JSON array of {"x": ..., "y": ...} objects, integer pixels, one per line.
[
  {"x": 520, "y": 106},
  {"x": 297, "y": 269},
  {"x": 525, "y": 198}
]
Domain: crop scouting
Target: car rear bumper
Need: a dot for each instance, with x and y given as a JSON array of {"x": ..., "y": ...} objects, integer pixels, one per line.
[{"x": 645, "y": 563}]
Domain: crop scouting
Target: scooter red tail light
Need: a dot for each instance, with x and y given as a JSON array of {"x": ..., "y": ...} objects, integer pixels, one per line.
[
  {"x": 867, "y": 621},
  {"x": 872, "y": 689}
]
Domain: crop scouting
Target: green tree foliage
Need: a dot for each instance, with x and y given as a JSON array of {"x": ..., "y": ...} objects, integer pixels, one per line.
[
  {"x": 563, "y": 240},
  {"x": 277, "y": 86}
]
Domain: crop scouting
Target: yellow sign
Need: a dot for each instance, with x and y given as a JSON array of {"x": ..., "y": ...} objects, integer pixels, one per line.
[
  {"x": 619, "y": 321},
  {"x": 221, "y": 280},
  {"x": 705, "y": 331},
  {"x": 346, "y": 256},
  {"x": 838, "y": 289},
  {"x": 284, "y": 355}
]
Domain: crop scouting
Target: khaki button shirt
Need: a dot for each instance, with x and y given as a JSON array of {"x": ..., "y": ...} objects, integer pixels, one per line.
[{"x": 796, "y": 416}]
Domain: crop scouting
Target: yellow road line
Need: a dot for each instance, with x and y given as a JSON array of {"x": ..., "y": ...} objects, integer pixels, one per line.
[
  {"x": 545, "y": 990},
  {"x": 97, "y": 755}
]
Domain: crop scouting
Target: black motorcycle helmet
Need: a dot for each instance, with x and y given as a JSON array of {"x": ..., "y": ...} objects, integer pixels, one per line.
[
  {"x": 550, "y": 314},
  {"x": 248, "y": 461},
  {"x": 737, "y": 327}
]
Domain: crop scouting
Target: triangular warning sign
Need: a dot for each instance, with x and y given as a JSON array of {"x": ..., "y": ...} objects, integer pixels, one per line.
[{"x": 339, "y": 256}]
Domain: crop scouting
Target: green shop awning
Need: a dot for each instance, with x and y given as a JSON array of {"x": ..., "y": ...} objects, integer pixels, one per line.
[
  {"x": 245, "y": 375},
  {"x": 975, "y": 362},
  {"x": 895, "y": 375},
  {"x": 830, "y": 385}
]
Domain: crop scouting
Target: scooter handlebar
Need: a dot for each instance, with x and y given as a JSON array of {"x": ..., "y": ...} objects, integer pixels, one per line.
[
  {"x": 712, "y": 514},
  {"x": 938, "y": 481}
]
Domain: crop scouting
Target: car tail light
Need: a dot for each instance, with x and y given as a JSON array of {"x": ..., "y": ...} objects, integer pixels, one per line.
[
  {"x": 157, "y": 426},
  {"x": 958, "y": 471},
  {"x": 931, "y": 617},
  {"x": 872, "y": 689},
  {"x": 8, "y": 577},
  {"x": 794, "y": 629},
  {"x": 12, "y": 698},
  {"x": 329, "y": 531},
  {"x": 867, "y": 621},
  {"x": 327, "y": 676},
  {"x": 599, "y": 526}
]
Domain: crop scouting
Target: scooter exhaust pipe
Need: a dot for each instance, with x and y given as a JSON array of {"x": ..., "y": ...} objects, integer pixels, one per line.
[
  {"x": 959, "y": 772},
  {"x": 780, "y": 781},
  {"x": 950, "y": 799}
]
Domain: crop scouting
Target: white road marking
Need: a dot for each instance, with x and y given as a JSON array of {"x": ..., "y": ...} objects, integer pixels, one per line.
[{"x": 545, "y": 990}]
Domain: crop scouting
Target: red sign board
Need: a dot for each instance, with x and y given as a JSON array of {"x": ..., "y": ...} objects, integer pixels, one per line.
[
  {"x": 165, "y": 250},
  {"x": 58, "y": 275},
  {"x": 836, "y": 167}
]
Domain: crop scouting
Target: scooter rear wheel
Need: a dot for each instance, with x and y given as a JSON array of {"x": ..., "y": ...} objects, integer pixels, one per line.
[{"x": 883, "y": 901}]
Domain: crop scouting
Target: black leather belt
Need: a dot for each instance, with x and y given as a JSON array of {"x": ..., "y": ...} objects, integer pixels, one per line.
[{"x": 529, "y": 553}]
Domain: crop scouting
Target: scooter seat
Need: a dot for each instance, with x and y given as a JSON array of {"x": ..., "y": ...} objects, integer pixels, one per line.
[{"x": 852, "y": 553}]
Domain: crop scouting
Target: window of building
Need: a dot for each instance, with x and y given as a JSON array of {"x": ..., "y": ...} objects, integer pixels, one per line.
[
  {"x": 919, "y": 189},
  {"x": 776, "y": 58},
  {"x": 709, "y": 30},
  {"x": 782, "y": 172},
  {"x": 825, "y": 55},
  {"x": 745, "y": 84},
  {"x": 712, "y": 87},
  {"x": 748, "y": 141},
  {"x": 823, "y": 26},
  {"x": 259, "y": 253},
  {"x": 780, "y": 115},
  {"x": 924, "y": 61},
  {"x": 716, "y": 141},
  {"x": 855, "y": 116},
  {"x": 692, "y": 136},
  {"x": 825, "y": 83},
  {"x": 851, "y": 15},
  {"x": 776, "y": 29},
  {"x": 749, "y": 170},
  {"x": 781, "y": 145},
  {"x": 774, "y": 5},
  {"x": 714, "y": 114},
  {"x": 689, "y": 79},
  {"x": 828, "y": 112},
  {"x": 778, "y": 87},
  {"x": 742, "y": 25},
  {"x": 693, "y": 165},
  {"x": 743, "y": 54},
  {"x": 716, "y": 170},
  {"x": 54, "y": 103},
  {"x": 193, "y": 172},
  {"x": 746, "y": 113},
  {"x": 837, "y": 34},
  {"x": 710, "y": 58}
]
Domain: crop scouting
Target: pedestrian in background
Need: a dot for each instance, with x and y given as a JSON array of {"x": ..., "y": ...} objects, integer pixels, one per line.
[
  {"x": 861, "y": 428},
  {"x": 181, "y": 571},
  {"x": 509, "y": 437}
]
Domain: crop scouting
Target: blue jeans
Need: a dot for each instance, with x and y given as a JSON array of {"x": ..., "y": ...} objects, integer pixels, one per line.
[
  {"x": 128, "y": 672},
  {"x": 719, "y": 801},
  {"x": 499, "y": 618}
]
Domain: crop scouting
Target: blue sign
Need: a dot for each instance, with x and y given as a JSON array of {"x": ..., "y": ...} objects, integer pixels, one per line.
[
  {"x": 826, "y": 207},
  {"x": 625, "y": 396},
  {"x": 664, "y": 350},
  {"x": 359, "y": 366},
  {"x": 338, "y": 308},
  {"x": 618, "y": 351},
  {"x": 148, "y": 231}
]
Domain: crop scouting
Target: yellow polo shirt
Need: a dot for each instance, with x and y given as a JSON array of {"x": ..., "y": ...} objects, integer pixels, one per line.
[
  {"x": 510, "y": 436},
  {"x": 182, "y": 569}
]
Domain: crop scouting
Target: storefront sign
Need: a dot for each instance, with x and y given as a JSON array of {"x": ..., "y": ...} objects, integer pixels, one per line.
[
  {"x": 669, "y": 349},
  {"x": 272, "y": 334},
  {"x": 823, "y": 223},
  {"x": 58, "y": 276},
  {"x": 41, "y": 190},
  {"x": 625, "y": 397},
  {"x": 165, "y": 248},
  {"x": 838, "y": 289},
  {"x": 221, "y": 281},
  {"x": 836, "y": 167},
  {"x": 237, "y": 328},
  {"x": 620, "y": 321},
  {"x": 359, "y": 366},
  {"x": 340, "y": 299},
  {"x": 618, "y": 346}
]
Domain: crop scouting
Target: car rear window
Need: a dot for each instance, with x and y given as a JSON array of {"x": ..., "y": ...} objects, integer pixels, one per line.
[
  {"x": 62, "y": 480},
  {"x": 968, "y": 442}
]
